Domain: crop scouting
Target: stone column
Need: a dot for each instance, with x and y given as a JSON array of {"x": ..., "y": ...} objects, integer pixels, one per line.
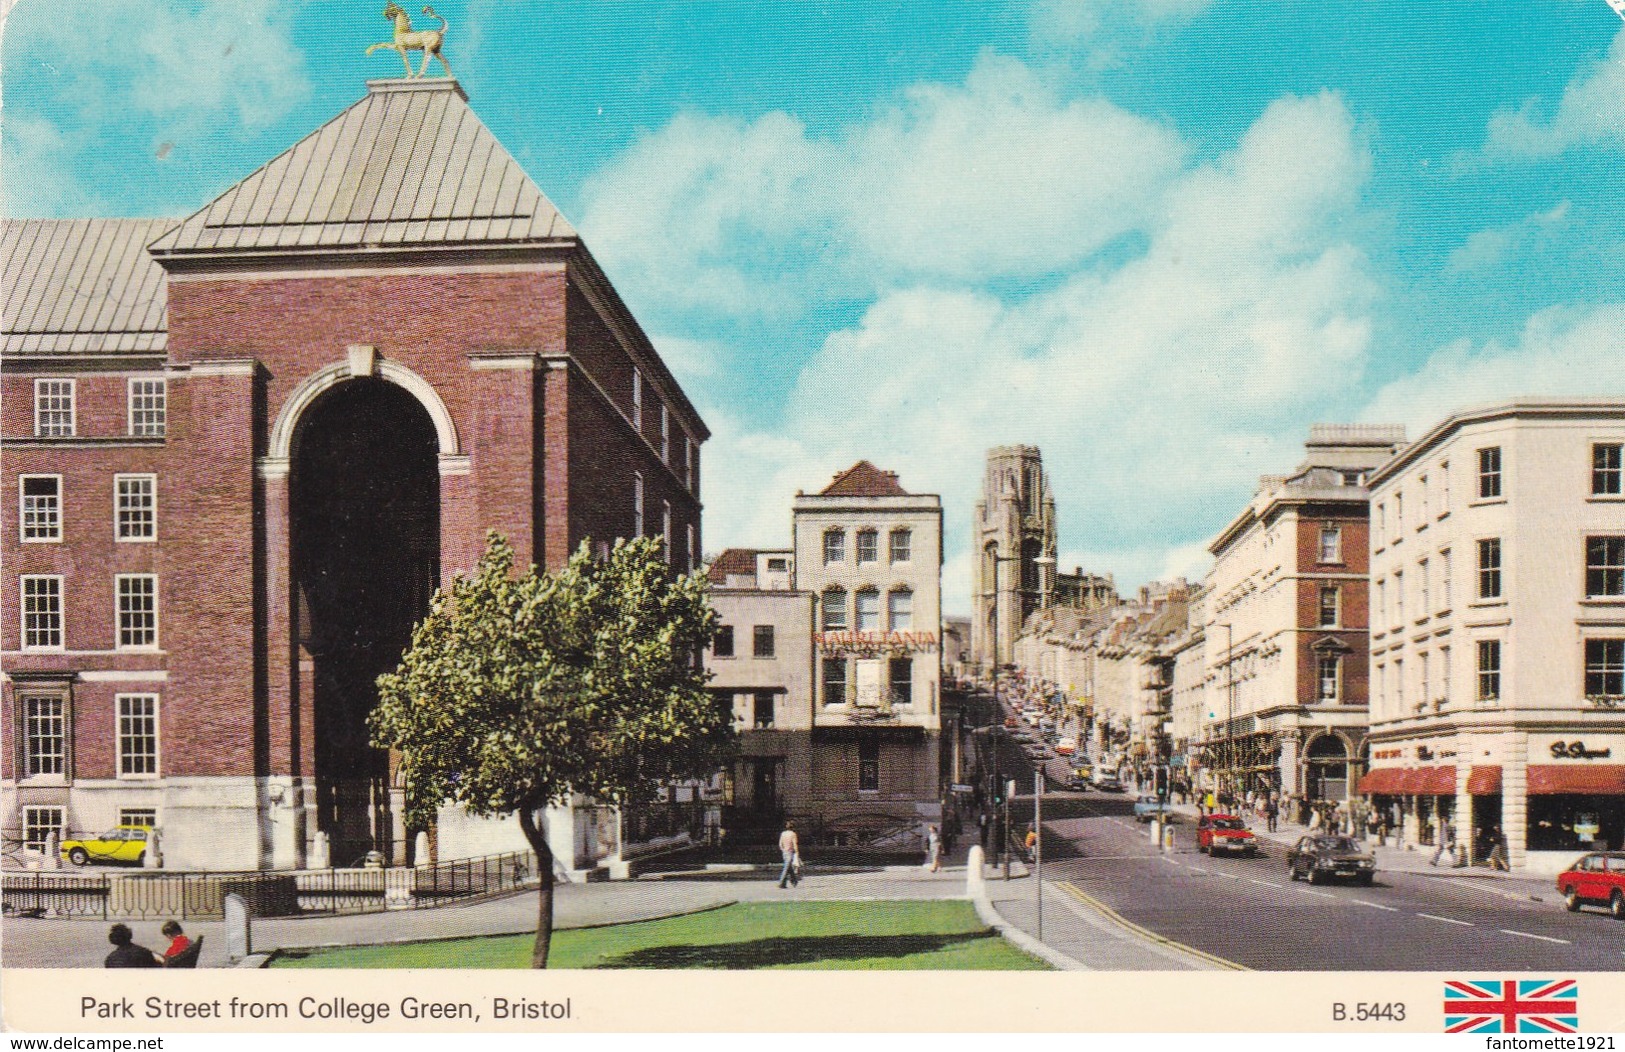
[{"x": 1515, "y": 796}]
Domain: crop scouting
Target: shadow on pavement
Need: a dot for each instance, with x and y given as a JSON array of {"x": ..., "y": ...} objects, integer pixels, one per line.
[{"x": 761, "y": 953}]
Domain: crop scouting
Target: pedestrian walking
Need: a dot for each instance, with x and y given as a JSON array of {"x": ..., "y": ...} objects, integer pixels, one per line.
[
  {"x": 933, "y": 849},
  {"x": 1498, "y": 850},
  {"x": 1447, "y": 843},
  {"x": 1031, "y": 843},
  {"x": 790, "y": 848},
  {"x": 1271, "y": 812}
]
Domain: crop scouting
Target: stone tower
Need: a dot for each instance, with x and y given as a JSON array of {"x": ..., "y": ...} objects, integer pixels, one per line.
[{"x": 1013, "y": 531}]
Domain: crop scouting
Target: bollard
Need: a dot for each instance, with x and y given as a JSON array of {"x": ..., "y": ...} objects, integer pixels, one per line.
[
  {"x": 975, "y": 880},
  {"x": 239, "y": 928}
]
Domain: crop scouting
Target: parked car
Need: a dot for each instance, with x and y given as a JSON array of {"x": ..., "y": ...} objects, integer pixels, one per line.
[
  {"x": 125, "y": 845},
  {"x": 1078, "y": 783},
  {"x": 1597, "y": 879},
  {"x": 1325, "y": 857},
  {"x": 1108, "y": 784},
  {"x": 1216, "y": 833},
  {"x": 1066, "y": 746},
  {"x": 1147, "y": 807}
]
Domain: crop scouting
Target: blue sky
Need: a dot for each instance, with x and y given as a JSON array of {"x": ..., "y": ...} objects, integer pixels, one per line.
[{"x": 1158, "y": 238}]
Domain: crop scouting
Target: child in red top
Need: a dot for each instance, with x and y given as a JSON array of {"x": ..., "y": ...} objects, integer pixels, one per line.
[{"x": 178, "y": 942}]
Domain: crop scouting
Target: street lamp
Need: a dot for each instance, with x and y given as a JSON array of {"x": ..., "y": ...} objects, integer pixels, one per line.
[
  {"x": 1229, "y": 704},
  {"x": 1041, "y": 561}
]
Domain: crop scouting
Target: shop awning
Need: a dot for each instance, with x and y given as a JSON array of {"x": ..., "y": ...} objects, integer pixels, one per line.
[
  {"x": 1410, "y": 781},
  {"x": 1484, "y": 780},
  {"x": 1588, "y": 779}
]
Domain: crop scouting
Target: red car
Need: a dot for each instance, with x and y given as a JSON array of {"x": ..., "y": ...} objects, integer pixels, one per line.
[
  {"x": 1598, "y": 879},
  {"x": 1215, "y": 833}
]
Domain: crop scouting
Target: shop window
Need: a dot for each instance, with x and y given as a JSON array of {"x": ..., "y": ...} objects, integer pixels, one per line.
[
  {"x": 1574, "y": 822},
  {"x": 1605, "y": 668},
  {"x": 722, "y": 644},
  {"x": 869, "y": 764},
  {"x": 762, "y": 641},
  {"x": 1608, "y": 469},
  {"x": 1489, "y": 473},
  {"x": 39, "y": 507},
  {"x": 1605, "y": 567}
]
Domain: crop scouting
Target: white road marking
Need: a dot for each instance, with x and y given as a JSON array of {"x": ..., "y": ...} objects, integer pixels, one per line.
[
  {"x": 1226, "y": 876},
  {"x": 1322, "y": 894},
  {"x": 1447, "y": 920},
  {"x": 1266, "y": 883},
  {"x": 1374, "y": 905},
  {"x": 1197, "y": 869},
  {"x": 1527, "y": 935}
]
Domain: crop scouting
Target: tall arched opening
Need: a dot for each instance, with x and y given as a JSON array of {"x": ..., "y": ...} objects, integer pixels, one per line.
[
  {"x": 1327, "y": 760},
  {"x": 364, "y": 498}
]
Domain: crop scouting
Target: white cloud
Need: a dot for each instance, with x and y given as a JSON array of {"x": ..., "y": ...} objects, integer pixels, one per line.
[
  {"x": 1104, "y": 32},
  {"x": 1561, "y": 351},
  {"x": 1487, "y": 249},
  {"x": 1591, "y": 112},
  {"x": 996, "y": 177}
]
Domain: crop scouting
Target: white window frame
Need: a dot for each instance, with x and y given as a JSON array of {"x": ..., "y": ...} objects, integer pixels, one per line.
[
  {"x": 665, "y": 530},
  {"x": 1424, "y": 587},
  {"x": 665, "y": 434},
  {"x": 873, "y": 537},
  {"x": 1331, "y": 552},
  {"x": 1336, "y": 662},
  {"x": 23, "y": 597},
  {"x": 1498, "y": 570},
  {"x": 121, "y": 506},
  {"x": 906, "y": 597},
  {"x": 637, "y": 504},
  {"x": 1491, "y": 477},
  {"x": 45, "y": 391},
  {"x": 31, "y": 823},
  {"x": 30, "y": 725},
  {"x": 1446, "y": 585},
  {"x": 1336, "y": 595},
  {"x": 835, "y": 552},
  {"x": 690, "y": 536},
  {"x": 123, "y": 738},
  {"x": 1481, "y": 649},
  {"x": 1600, "y": 474},
  {"x": 23, "y": 509},
  {"x": 833, "y": 601},
  {"x": 150, "y": 420},
  {"x": 148, "y": 817},
  {"x": 907, "y": 537},
  {"x": 120, "y": 613},
  {"x": 1604, "y": 667},
  {"x": 858, "y": 598},
  {"x": 637, "y": 399},
  {"x": 1608, "y": 565}
]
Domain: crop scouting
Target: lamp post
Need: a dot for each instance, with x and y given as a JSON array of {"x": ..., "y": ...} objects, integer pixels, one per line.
[
  {"x": 1229, "y": 704},
  {"x": 1041, "y": 561}
]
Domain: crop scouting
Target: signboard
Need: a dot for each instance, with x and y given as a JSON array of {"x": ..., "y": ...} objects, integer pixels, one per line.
[
  {"x": 875, "y": 642},
  {"x": 869, "y": 683},
  {"x": 1574, "y": 747}
]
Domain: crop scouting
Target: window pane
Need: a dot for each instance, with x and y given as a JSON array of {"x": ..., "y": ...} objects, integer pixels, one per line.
[
  {"x": 868, "y": 546},
  {"x": 1605, "y": 566},
  {"x": 722, "y": 644},
  {"x": 1489, "y": 669},
  {"x": 901, "y": 681},
  {"x": 53, "y": 408},
  {"x": 1489, "y": 568},
  {"x": 868, "y": 603},
  {"x": 137, "y": 610},
  {"x": 1489, "y": 472},
  {"x": 834, "y": 614},
  {"x": 1605, "y": 668},
  {"x": 38, "y": 825},
  {"x": 834, "y": 681},
  {"x": 834, "y": 546},
  {"x": 902, "y": 542},
  {"x": 764, "y": 641},
  {"x": 148, "y": 405},
  {"x": 1608, "y": 470},
  {"x": 40, "y": 508},
  {"x": 42, "y": 611},
  {"x": 44, "y": 736},
  {"x": 1328, "y": 607},
  {"x": 138, "y": 733},
  {"x": 136, "y": 507},
  {"x": 900, "y": 610}
]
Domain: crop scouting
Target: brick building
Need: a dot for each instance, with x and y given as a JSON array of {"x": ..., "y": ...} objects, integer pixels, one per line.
[
  {"x": 1286, "y": 633},
  {"x": 241, "y": 450}
]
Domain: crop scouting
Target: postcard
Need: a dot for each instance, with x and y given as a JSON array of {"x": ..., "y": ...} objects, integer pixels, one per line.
[{"x": 538, "y": 518}]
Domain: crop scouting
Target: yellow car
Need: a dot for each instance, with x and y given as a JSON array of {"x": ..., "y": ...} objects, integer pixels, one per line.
[{"x": 124, "y": 845}]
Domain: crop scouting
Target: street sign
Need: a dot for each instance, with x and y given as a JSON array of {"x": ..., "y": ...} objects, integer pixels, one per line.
[{"x": 958, "y": 788}]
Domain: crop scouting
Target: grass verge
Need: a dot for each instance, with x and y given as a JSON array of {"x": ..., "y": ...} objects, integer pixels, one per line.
[{"x": 944, "y": 935}]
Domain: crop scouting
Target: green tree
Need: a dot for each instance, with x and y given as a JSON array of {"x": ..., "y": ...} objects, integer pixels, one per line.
[{"x": 518, "y": 691}]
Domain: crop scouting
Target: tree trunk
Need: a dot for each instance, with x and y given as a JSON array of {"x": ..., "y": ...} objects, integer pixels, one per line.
[{"x": 544, "y": 870}]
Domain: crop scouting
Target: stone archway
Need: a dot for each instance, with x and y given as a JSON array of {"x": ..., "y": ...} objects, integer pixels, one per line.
[
  {"x": 364, "y": 534},
  {"x": 1326, "y": 765}
]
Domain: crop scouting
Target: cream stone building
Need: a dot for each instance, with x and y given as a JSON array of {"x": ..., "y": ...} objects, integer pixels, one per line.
[{"x": 1498, "y": 630}]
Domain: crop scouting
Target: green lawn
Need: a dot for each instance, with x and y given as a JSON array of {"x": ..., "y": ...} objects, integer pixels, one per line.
[{"x": 856, "y": 935}]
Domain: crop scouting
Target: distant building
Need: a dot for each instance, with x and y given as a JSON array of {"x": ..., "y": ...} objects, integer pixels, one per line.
[
  {"x": 1286, "y": 631},
  {"x": 1013, "y": 532},
  {"x": 851, "y": 687},
  {"x": 1498, "y": 630}
]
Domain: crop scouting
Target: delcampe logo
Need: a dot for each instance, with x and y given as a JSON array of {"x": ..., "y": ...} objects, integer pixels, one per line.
[{"x": 1511, "y": 1006}]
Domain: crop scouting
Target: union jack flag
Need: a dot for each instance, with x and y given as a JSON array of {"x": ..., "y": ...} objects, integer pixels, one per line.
[{"x": 1511, "y": 1006}]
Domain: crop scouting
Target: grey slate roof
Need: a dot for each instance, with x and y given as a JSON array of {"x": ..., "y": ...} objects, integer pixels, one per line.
[
  {"x": 82, "y": 286},
  {"x": 410, "y": 164}
]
